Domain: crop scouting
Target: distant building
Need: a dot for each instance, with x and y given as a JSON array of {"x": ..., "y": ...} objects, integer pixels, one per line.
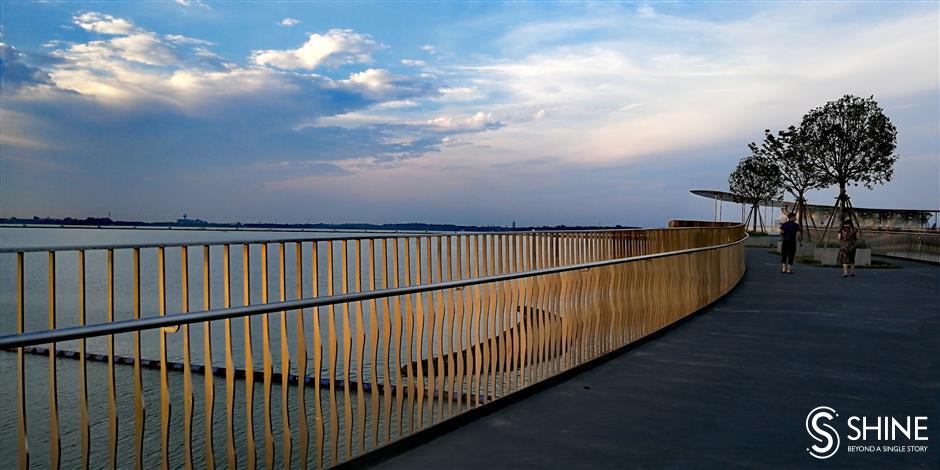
[{"x": 186, "y": 221}]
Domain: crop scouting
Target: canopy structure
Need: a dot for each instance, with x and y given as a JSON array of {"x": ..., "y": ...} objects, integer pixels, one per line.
[
  {"x": 724, "y": 196},
  {"x": 868, "y": 217}
]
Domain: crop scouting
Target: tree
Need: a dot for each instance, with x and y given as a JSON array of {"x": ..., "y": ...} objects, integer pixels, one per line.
[
  {"x": 797, "y": 174},
  {"x": 754, "y": 181},
  {"x": 849, "y": 141}
]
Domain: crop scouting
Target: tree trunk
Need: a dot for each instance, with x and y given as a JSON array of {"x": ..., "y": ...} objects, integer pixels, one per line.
[
  {"x": 800, "y": 210},
  {"x": 843, "y": 204}
]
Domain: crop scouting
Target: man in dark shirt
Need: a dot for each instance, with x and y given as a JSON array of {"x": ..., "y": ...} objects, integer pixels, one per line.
[{"x": 789, "y": 234}]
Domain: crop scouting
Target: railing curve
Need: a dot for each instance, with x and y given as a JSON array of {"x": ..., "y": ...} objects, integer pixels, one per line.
[{"x": 362, "y": 341}]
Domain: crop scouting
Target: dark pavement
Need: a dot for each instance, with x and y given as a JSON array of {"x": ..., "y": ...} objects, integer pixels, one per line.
[{"x": 732, "y": 386}]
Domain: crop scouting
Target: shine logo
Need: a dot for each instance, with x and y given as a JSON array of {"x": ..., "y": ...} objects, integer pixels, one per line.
[{"x": 826, "y": 437}]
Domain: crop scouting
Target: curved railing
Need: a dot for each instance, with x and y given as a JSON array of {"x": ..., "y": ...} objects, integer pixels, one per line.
[{"x": 337, "y": 346}]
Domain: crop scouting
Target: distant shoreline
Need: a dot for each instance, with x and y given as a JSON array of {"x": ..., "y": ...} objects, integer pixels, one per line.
[{"x": 201, "y": 225}]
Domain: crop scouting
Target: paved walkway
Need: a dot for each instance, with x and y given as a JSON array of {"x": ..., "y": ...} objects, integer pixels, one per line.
[{"x": 731, "y": 387}]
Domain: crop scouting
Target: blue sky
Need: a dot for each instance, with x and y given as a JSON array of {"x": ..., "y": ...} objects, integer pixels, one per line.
[{"x": 476, "y": 113}]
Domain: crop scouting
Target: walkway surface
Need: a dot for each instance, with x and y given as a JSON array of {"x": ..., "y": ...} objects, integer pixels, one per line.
[{"x": 732, "y": 386}]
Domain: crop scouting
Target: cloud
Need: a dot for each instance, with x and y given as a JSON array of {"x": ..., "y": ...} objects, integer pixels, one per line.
[
  {"x": 16, "y": 73},
  {"x": 461, "y": 93},
  {"x": 760, "y": 71},
  {"x": 477, "y": 122},
  {"x": 144, "y": 100},
  {"x": 288, "y": 22},
  {"x": 382, "y": 85},
  {"x": 193, "y": 3},
  {"x": 645, "y": 11},
  {"x": 335, "y": 47},
  {"x": 180, "y": 39},
  {"x": 429, "y": 49},
  {"x": 140, "y": 69},
  {"x": 413, "y": 62},
  {"x": 104, "y": 24}
]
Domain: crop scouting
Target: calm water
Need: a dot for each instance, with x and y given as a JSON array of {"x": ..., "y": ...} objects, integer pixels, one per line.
[{"x": 67, "y": 314}]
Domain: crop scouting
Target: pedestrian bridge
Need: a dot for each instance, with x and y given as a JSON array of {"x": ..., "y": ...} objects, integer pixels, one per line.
[{"x": 350, "y": 350}]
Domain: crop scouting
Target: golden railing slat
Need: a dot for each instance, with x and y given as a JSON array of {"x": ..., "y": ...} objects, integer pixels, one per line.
[
  {"x": 347, "y": 351},
  {"x": 408, "y": 339},
  {"x": 286, "y": 434},
  {"x": 266, "y": 366},
  {"x": 396, "y": 347},
  {"x": 386, "y": 344},
  {"x": 304, "y": 434},
  {"x": 22, "y": 458},
  {"x": 230, "y": 452},
  {"x": 83, "y": 427},
  {"x": 360, "y": 343},
  {"x": 457, "y": 338},
  {"x": 55, "y": 443},
  {"x": 187, "y": 364},
  {"x": 139, "y": 412},
  {"x": 164, "y": 384},
  {"x": 250, "y": 445},
  {"x": 449, "y": 307},
  {"x": 373, "y": 347},
  {"x": 112, "y": 385},
  {"x": 419, "y": 383},
  {"x": 331, "y": 355},
  {"x": 439, "y": 314},
  {"x": 207, "y": 378},
  {"x": 317, "y": 359}
]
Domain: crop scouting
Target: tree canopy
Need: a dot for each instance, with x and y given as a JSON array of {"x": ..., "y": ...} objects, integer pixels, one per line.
[
  {"x": 787, "y": 151},
  {"x": 850, "y": 141},
  {"x": 755, "y": 180}
]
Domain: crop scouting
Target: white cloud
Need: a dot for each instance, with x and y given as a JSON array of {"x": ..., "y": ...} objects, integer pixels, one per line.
[
  {"x": 464, "y": 93},
  {"x": 372, "y": 79},
  {"x": 645, "y": 11},
  {"x": 288, "y": 22},
  {"x": 144, "y": 48},
  {"x": 335, "y": 47},
  {"x": 104, "y": 24},
  {"x": 736, "y": 78},
  {"x": 413, "y": 62},
  {"x": 143, "y": 67},
  {"x": 351, "y": 120},
  {"x": 429, "y": 49},
  {"x": 382, "y": 85},
  {"x": 396, "y": 104},
  {"x": 180, "y": 39},
  {"x": 477, "y": 122},
  {"x": 193, "y": 3}
]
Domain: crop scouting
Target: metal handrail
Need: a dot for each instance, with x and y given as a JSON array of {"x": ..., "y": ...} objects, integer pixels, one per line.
[
  {"x": 359, "y": 236},
  {"x": 126, "y": 326}
]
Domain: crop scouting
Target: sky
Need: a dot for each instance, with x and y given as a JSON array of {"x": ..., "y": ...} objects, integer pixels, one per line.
[{"x": 590, "y": 113}]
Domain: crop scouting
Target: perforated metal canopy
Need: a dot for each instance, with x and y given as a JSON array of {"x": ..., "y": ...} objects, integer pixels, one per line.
[{"x": 725, "y": 196}]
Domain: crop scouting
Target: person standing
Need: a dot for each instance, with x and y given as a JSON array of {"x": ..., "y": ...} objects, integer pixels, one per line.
[
  {"x": 789, "y": 234},
  {"x": 848, "y": 240}
]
